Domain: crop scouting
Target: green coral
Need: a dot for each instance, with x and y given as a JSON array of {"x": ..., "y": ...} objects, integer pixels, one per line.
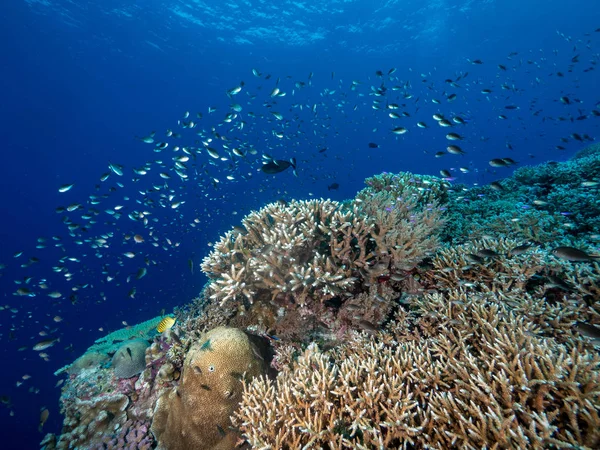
[
  {"x": 546, "y": 203},
  {"x": 111, "y": 343}
]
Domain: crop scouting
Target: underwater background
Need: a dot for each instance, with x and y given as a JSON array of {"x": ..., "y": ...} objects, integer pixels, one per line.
[{"x": 84, "y": 83}]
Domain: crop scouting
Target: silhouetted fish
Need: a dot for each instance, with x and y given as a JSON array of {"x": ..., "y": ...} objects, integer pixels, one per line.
[{"x": 274, "y": 166}]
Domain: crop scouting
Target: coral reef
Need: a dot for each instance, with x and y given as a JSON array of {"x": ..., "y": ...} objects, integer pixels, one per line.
[
  {"x": 544, "y": 203},
  {"x": 111, "y": 406},
  {"x": 196, "y": 413},
  {"x": 317, "y": 249},
  {"x": 460, "y": 372},
  {"x": 93, "y": 420},
  {"x": 297, "y": 269},
  {"x": 385, "y": 327}
]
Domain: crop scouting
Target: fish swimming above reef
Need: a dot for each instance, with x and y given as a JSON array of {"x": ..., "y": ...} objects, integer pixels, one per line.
[
  {"x": 333, "y": 187},
  {"x": 43, "y": 345},
  {"x": 165, "y": 324},
  {"x": 573, "y": 254},
  {"x": 589, "y": 331},
  {"x": 273, "y": 166}
]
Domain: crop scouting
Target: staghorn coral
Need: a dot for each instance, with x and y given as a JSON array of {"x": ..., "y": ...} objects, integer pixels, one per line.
[
  {"x": 401, "y": 231},
  {"x": 461, "y": 265},
  {"x": 423, "y": 188},
  {"x": 471, "y": 373},
  {"x": 196, "y": 413},
  {"x": 281, "y": 252},
  {"x": 309, "y": 252}
]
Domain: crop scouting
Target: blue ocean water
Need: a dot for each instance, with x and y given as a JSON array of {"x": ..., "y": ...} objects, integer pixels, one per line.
[{"x": 80, "y": 80}]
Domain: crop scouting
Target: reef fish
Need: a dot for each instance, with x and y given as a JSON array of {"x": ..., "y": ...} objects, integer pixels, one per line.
[
  {"x": 165, "y": 324},
  {"x": 43, "y": 345},
  {"x": 273, "y": 166},
  {"x": 573, "y": 254}
]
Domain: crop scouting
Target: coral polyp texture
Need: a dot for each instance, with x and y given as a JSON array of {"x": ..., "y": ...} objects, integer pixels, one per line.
[
  {"x": 195, "y": 414},
  {"x": 416, "y": 315}
]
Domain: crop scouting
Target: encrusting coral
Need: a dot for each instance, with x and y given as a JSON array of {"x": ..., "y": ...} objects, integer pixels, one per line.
[{"x": 195, "y": 414}]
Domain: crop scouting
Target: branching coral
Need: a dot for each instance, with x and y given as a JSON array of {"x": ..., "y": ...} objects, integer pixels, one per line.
[
  {"x": 318, "y": 248},
  {"x": 473, "y": 374}
]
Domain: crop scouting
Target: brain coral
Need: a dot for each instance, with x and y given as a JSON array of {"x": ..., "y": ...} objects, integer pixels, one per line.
[
  {"x": 196, "y": 414},
  {"x": 130, "y": 358}
]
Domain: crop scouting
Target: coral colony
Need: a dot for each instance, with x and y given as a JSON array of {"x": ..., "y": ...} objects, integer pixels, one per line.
[{"x": 416, "y": 315}]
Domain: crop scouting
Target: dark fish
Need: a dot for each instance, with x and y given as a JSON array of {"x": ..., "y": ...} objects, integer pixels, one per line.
[
  {"x": 373, "y": 145},
  {"x": 587, "y": 330},
  {"x": 333, "y": 187},
  {"x": 573, "y": 254},
  {"x": 323, "y": 150},
  {"x": 278, "y": 165},
  {"x": 474, "y": 258},
  {"x": 367, "y": 326},
  {"x": 520, "y": 249},
  {"x": 559, "y": 283},
  {"x": 498, "y": 162},
  {"x": 487, "y": 253},
  {"x": 496, "y": 186},
  {"x": 43, "y": 418}
]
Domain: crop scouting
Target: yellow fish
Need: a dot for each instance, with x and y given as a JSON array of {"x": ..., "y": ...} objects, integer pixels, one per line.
[{"x": 165, "y": 324}]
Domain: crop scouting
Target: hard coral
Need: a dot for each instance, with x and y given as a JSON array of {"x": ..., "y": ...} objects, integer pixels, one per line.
[
  {"x": 470, "y": 374},
  {"x": 130, "y": 359},
  {"x": 195, "y": 415},
  {"x": 89, "y": 421},
  {"x": 319, "y": 249}
]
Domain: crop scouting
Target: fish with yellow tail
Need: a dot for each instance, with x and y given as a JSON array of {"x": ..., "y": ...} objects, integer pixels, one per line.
[{"x": 165, "y": 324}]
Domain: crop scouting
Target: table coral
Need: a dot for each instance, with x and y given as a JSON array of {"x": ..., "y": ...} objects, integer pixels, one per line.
[{"x": 196, "y": 413}]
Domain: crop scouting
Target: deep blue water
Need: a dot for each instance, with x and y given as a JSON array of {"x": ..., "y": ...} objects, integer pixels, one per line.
[{"x": 81, "y": 80}]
